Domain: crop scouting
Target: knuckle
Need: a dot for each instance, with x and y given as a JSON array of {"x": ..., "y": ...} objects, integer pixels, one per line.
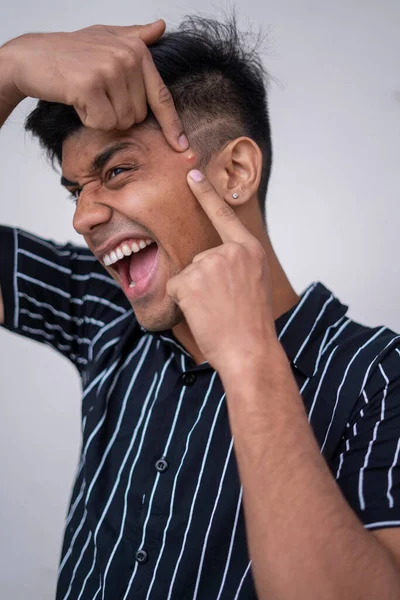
[
  {"x": 106, "y": 123},
  {"x": 225, "y": 211},
  {"x": 110, "y": 70},
  {"x": 258, "y": 250},
  {"x": 140, "y": 114},
  {"x": 125, "y": 57},
  {"x": 165, "y": 96},
  {"x": 91, "y": 82},
  {"x": 234, "y": 250}
]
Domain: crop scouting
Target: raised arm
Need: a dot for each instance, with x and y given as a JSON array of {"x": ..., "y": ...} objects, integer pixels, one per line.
[{"x": 105, "y": 72}]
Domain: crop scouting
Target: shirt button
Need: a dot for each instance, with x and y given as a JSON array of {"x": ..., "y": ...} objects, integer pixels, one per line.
[
  {"x": 141, "y": 556},
  {"x": 161, "y": 465},
  {"x": 188, "y": 378}
]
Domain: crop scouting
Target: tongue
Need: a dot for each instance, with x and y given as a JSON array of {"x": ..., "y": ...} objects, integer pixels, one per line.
[{"x": 142, "y": 262}]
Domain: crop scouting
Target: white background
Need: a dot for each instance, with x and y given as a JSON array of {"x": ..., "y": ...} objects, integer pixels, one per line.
[{"x": 333, "y": 211}]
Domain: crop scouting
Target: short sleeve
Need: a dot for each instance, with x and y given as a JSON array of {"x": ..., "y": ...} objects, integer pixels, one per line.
[
  {"x": 59, "y": 295},
  {"x": 367, "y": 465}
]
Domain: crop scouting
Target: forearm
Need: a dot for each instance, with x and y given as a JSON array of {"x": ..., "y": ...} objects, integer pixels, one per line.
[
  {"x": 9, "y": 95},
  {"x": 304, "y": 540}
]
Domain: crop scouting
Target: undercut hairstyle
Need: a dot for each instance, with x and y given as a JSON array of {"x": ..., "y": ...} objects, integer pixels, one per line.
[{"x": 218, "y": 83}]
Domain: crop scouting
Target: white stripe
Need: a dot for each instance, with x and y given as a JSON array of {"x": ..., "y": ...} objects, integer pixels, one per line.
[
  {"x": 167, "y": 339},
  {"x": 390, "y": 476},
  {"x": 91, "y": 298},
  {"x": 87, "y": 257},
  {"x": 313, "y": 327},
  {"x": 340, "y": 466},
  {"x": 77, "y": 565},
  {"x": 127, "y": 489},
  {"x": 307, "y": 381},
  {"x": 361, "y": 476},
  {"x": 322, "y": 347},
  {"x": 44, "y": 261},
  {"x": 339, "y": 331},
  {"x": 300, "y": 304},
  {"x": 121, "y": 415},
  {"x": 67, "y": 336},
  {"x": 46, "y": 286},
  {"x": 211, "y": 520},
  {"x": 61, "y": 314},
  {"x": 377, "y": 356},
  {"x": 16, "y": 297},
  {"x": 95, "y": 431},
  {"x": 117, "y": 481},
  {"x": 321, "y": 382},
  {"x": 44, "y": 243},
  {"x": 78, "y": 252},
  {"x": 105, "y": 278},
  {"x": 177, "y": 411},
  {"x": 97, "y": 593},
  {"x": 47, "y": 336},
  {"x": 195, "y": 496},
  {"x": 382, "y": 524},
  {"x": 242, "y": 581},
  {"x": 172, "y": 501},
  {"x": 344, "y": 379},
  {"x": 104, "y": 373},
  {"x": 228, "y": 560},
  {"x": 67, "y": 554},
  {"x": 106, "y": 328},
  {"x": 77, "y": 500},
  {"x": 110, "y": 343},
  {"x": 93, "y": 382}
]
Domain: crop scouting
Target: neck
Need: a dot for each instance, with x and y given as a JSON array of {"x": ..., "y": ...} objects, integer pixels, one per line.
[{"x": 283, "y": 295}]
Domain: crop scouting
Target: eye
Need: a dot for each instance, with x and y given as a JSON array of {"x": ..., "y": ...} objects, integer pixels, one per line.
[
  {"x": 109, "y": 173},
  {"x": 74, "y": 194},
  {"x": 119, "y": 170}
]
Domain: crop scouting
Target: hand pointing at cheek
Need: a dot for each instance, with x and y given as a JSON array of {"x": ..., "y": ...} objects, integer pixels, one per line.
[{"x": 225, "y": 293}]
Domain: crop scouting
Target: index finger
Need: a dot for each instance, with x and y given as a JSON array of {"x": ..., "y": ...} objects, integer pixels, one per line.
[
  {"x": 162, "y": 105},
  {"x": 222, "y": 216}
]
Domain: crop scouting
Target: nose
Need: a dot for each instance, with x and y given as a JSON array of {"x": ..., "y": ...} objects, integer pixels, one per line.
[{"x": 89, "y": 213}]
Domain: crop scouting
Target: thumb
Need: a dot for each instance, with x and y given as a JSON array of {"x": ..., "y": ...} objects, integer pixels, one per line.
[{"x": 149, "y": 33}]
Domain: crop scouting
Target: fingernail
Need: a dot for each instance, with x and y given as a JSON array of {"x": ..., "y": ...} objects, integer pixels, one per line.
[
  {"x": 196, "y": 175},
  {"x": 183, "y": 142}
]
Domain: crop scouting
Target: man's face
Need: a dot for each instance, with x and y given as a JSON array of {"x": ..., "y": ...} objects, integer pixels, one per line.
[{"x": 138, "y": 193}]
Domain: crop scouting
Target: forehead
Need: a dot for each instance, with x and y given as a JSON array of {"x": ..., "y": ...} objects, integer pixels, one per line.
[{"x": 85, "y": 145}]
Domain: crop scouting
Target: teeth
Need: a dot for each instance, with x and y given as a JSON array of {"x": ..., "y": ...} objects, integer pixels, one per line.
[
  {"x": 125, "y": 250},
  {"x": 132, "y": 284},
  {"x": 135, "y": 247}
]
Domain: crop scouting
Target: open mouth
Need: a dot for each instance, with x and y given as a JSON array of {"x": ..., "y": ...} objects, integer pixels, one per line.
[{"x": 135, "y": 265}]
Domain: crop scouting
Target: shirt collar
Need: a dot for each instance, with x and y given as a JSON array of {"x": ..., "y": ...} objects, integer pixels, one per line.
[{"x": 302, "y": 329}]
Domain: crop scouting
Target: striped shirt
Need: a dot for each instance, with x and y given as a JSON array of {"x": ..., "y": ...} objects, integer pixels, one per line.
[{"x": 156, "y": 509}]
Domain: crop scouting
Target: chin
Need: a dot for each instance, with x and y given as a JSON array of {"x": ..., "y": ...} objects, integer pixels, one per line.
[{"x": 160, "y": 320}]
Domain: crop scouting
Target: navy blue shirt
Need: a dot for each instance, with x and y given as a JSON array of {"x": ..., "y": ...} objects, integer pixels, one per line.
[{"x": 156, "y": 509}]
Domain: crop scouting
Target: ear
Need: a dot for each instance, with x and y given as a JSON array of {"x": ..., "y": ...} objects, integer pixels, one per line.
[{"x": 236, "y": 169}]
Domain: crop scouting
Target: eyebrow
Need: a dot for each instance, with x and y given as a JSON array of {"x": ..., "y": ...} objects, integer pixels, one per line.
[{"x": 101, "y": 159}]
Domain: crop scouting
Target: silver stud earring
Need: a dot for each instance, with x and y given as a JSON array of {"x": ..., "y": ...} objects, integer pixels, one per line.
[{"x": 236, "y": 196}]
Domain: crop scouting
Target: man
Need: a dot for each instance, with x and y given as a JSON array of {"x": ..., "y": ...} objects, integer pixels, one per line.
[{"x": 200, "y": 475}]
